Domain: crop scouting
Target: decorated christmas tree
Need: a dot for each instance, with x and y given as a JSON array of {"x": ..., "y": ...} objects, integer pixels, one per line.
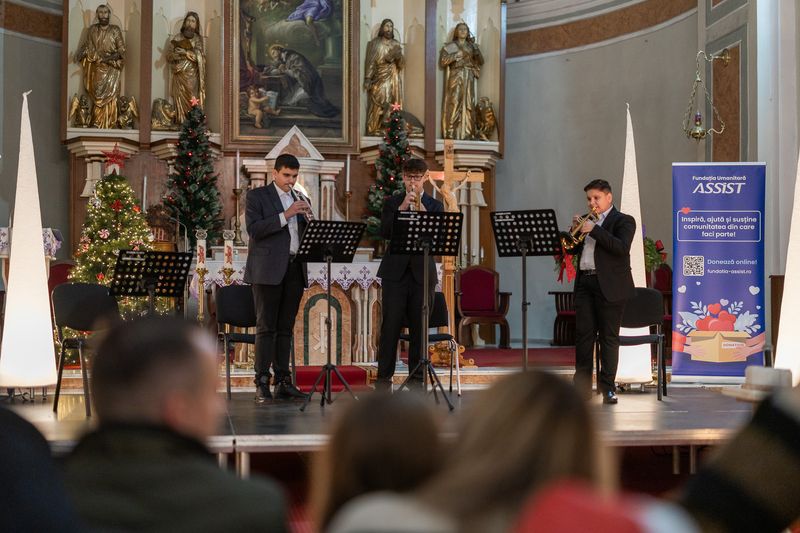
[
  {"x": 114, "y": 222},
  {"x": 393, "y": 152},
  {"x": 192, "y": 194}
]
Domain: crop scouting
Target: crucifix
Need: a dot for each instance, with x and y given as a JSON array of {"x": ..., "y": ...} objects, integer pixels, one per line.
[
  {"x": 449, "y": 176},
  {"x": 452, "y": 181}
]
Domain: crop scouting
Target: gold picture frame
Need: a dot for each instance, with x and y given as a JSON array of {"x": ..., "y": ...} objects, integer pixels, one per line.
[{"x": 291, "y": 62}]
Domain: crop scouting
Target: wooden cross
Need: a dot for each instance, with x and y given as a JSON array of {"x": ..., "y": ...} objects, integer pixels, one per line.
[{"x": 449, "y": 176}]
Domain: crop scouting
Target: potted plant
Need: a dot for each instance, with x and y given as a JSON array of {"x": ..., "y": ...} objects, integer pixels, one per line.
[{"x": 654, "y": 256}]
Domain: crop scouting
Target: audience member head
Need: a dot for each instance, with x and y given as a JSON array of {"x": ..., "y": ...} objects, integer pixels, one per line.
[
  {"x": 159, "y": 371},
  {"x": 526, "y": 431},
  {"x": 380, "y": 443}
]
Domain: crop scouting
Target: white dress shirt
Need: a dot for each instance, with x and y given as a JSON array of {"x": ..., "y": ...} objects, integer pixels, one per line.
[
  {"x": 587, "y": 256},
  {"x": 287, "y": 201}
]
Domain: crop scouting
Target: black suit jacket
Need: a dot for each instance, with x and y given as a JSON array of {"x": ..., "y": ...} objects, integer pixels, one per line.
[
  {"x": 394, "y": 266},
  {"x": 612, "y": 255},
  {"x": 268, "y": 249}
]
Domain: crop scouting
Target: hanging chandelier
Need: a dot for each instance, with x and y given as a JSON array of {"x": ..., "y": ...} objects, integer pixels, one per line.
[{"x": 693, "y": 127}]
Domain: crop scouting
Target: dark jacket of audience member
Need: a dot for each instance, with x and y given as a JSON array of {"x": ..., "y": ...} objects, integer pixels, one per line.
[
  {"x": 32, "y": 495},
  {"x": 753, "y": 483},
  {"x": 151, "y": 478},
  {"x": 381, "y": 443},
  {"x": 145, "y": 467}
]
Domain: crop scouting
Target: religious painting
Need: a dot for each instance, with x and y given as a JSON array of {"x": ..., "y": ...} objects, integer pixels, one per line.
[{"x": 291, "y": 65}]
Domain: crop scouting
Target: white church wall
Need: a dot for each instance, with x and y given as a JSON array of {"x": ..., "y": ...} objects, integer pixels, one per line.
[
  {"x": 565, "y": 124},
  {"x": 40, "y": 70}
]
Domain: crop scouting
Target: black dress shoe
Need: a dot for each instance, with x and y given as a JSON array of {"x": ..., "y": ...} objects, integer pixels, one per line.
[
  {"x": 262, "y": 389},
  {"x": 609, "y": 397},
  {"x": 383, "y": 386},
  {"x": 285, "y": 390}
]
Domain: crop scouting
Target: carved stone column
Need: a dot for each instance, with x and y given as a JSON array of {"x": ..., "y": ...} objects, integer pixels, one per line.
[
  {"x": 165, "y": 147},
  {"x": 258, "y": 172},
  {"x": 91, "y": 150}
]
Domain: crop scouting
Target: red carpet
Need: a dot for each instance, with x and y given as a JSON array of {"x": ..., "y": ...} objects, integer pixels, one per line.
[
  {"x": 356, "y": 377},
  {"x": 555, "y": 356},
  {"x": 539, "y": 356}
]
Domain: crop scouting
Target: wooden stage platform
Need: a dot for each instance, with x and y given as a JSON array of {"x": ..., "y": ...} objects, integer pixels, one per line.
[{"x": 689, "y": 417}]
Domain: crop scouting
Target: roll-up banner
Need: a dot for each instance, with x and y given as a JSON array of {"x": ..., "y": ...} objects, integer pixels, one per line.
[{"x": 718, "y": 281}]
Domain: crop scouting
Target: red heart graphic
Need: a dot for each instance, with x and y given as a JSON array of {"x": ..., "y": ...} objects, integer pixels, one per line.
[
  {"x": 720, "y": 325},
  {"x": 724, "y": 315},
  {"x": 702, "y": 324},
  {"x": 714, "y": 309},
  {"x": 685, "y": 210}
]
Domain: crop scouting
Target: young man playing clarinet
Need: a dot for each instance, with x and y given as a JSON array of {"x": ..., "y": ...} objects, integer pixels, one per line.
[{"x": 276, "y": 217}]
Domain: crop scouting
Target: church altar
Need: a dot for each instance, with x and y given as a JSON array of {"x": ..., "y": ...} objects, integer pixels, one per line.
[{"x": 356, "y": 307}]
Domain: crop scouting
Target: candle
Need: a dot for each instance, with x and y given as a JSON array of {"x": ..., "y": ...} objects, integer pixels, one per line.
[
  {"x": 347, "y": 175},
  {"x": 201, "y": 253},
  {"x": 228, "y": 261},
  {"x": 238, "y": 168},
  {"x": 144, "y": 193}
]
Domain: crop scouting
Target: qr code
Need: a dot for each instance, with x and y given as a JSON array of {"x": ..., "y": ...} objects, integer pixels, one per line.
[{"x": 693, "y": 265}]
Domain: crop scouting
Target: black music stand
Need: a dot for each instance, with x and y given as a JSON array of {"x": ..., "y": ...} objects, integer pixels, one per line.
[
  {"x": 329, "y": 241},
  {"x": 520, "y": 234},
  {"x": 423, "y": 233},
  {"x": 151, "y": 274}
]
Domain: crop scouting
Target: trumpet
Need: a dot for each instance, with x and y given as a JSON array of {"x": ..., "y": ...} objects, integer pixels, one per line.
[
  {"x": 417, "y": 205},
  {"x": 572, "y": 238}
]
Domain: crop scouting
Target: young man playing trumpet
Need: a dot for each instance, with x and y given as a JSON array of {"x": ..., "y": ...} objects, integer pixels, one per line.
[
  {"x": 402, "y": 279},
  {"x": 602, "y": 285},
  {"x": 276, "y": 218}
]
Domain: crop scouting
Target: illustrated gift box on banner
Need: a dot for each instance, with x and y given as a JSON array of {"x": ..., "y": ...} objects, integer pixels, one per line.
[
  {"x": 716, "y": 346},
  {"x": 715, "y": 333}
]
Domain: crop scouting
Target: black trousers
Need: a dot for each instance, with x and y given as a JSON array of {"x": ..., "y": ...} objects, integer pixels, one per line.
[
  {"x": 596, "y": 317},
  {"x": 276, "y": 309},
  {"x": 401, "y": 303}
]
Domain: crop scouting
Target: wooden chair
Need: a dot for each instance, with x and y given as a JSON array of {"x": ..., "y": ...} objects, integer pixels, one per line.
[
  {"x": 564, "y": 323},
  {"x": 480, "y": 301},
  {"x": 440, "y": 318}
]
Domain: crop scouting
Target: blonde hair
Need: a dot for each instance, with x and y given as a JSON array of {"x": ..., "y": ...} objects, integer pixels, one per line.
[{"x": 526, "y": 431}]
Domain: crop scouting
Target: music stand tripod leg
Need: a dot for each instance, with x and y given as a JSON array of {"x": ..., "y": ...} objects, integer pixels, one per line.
[
  {"x": 329, "y": 368},
  {"x": 424, "y": 361}
]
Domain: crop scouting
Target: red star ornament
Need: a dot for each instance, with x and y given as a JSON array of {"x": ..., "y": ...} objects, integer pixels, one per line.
[
  {"x": 396, "y": 106},
  {"x": 194, "y": 101},
  {"x": 116, "y": 157}
]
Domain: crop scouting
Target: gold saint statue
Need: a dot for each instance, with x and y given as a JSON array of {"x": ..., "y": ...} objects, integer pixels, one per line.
[
  {"x": 382, "y": 80},
  {"x": 462, "y": 59},
  {"x": 102, "y": 56},
  {"x": 188, "y": 66}
]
